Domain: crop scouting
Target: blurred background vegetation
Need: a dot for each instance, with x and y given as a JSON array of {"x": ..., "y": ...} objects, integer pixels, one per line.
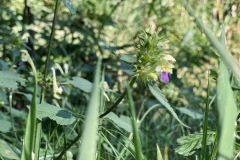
[{"x": 109, "y": 29}]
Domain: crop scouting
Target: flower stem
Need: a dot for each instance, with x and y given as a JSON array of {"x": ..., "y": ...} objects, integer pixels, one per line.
[
  {"x": 39, "y": 123},
  {"x": 119, "y": 99}
]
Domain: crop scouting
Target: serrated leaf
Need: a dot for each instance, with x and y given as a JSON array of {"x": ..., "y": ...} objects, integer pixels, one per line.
[
  {"x": 68, "y": 4},
  {"x": 161, "y": 98},
  {"x": 10, "y": 79},
  {"x": 120, "y": 122},
  {"x": 5, "y": 126},
  {"x": 81, "y": 83},
  {"x": 61, "y": 116},
  {"x": 8, "y": 151},
  {"x": 189, "y": 144},
  {"x": 128, "y": 58}
]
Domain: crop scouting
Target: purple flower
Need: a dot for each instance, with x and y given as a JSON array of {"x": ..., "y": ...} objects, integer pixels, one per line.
[{"x": 164, "y": 77}]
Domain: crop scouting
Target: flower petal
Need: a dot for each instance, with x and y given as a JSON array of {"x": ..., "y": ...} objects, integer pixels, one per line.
[
  {"x": 164, "y": 77},
  {"x": 158, "y": 69}
]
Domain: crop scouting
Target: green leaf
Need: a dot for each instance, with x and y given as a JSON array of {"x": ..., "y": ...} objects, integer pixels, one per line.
[
  {"x": 62, "y": 117},
  {"x": 81, "y": 83},
  {"x": 128, "y": 58},
  {"x": 159, "y": 154},
  {"x": 189, "y": 144},
  {"x": 68, "y": 4},
  {"x": 5, "y": 126},
  {"x": 191, "y": 113},
  {"x": 8, "y": 151},
  {"x": 10, "y": 79},
  {"x": 227, "y": 110},
  {"x": 87, "y": 149},
  {"x": 161, "y": 98},
  {"x": 119, "y": 121}
]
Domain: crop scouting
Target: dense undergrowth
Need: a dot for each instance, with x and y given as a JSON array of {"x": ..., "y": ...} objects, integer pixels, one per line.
[{"x": 100, "y": 79}]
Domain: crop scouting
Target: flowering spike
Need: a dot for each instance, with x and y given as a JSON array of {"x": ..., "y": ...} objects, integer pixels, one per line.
[{"x": 152, "y": 62}]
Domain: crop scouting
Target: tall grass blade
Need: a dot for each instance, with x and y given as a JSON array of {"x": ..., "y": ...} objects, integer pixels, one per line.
[
  {"x": 31, "y": 120},
  {"x": 87, "y": 149},
  {"x": 136, "y": 139},
  {"x": 159, "y": 154},
  {"x": 227, "y": 111},
  {"x": 205, "y": 124},
  {"x": 225, "y": 56}
]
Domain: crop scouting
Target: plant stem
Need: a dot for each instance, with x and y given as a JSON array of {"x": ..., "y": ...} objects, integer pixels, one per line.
[
  {"x": 119, "y": 99},
  {"x": 39, "y": 123},
  {"x": 31, "y": 121},
  {"x": 205, "y": 124},
  {"x": 50, "y": 40},
  {"x": 136, "y": 138},
  {"x": 10, "y": 111}
]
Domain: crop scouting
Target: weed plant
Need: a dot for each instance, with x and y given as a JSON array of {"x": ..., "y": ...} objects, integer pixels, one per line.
[{"x": 124, "y": 80}]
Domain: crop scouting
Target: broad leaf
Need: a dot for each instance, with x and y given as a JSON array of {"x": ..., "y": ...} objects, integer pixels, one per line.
[
  {"x": 161, "y": 98},
  {"x": 5, "y": 125},
  {"x": 189, "y": 144},
  {"x": 81, "y": 83},
  {"x": 10, "y": 79},
  {"x": 120, "y": 122},
  {"x": 8, "y": 151},
  {"x": 61, "y": 116},
  {"x": 128, "y": 58},
  {"x": 68, "y": 4}
]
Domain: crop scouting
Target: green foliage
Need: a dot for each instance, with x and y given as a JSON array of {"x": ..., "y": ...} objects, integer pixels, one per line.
[
  {"x": 120, "y": 122},
  {"x": 87, "y": 149},
  {"x": 8, "y": 151},
  {"x": 159, "y": 154},
  {"x": 134, "y": 38},
  {"x": 227, "y": 110},
  {"x": 81, "y": 83},
  {"x": 5, "y": 126},
  {"x": 10, "y": 79},
  {"x": 161, "y": 98},
  {"x": 61, "y": 116},
  {"x": 190, "y": 143},
  {"x": 69, "y": 6}
]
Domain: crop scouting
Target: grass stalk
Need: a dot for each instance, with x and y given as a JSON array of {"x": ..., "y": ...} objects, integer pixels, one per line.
[
  {"x": 136, "y": 138},
  {"x": 88, "y": 146},
  {"x": 205, "y": 124},
  {"x": 31, "y": 120}
]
